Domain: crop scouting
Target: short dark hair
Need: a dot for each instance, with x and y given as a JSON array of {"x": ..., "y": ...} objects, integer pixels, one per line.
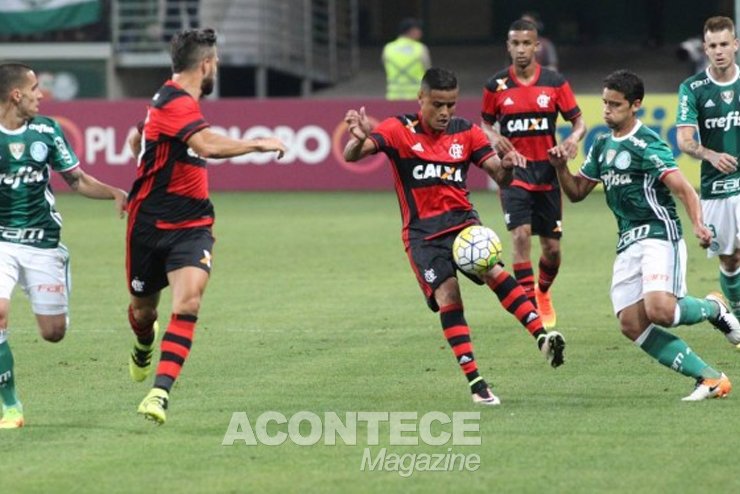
[
  {"x": 408, "y": 24},
  {"x": 12, "y": 75},
  {"x": 522, "y": 25},
  {"x": 437, "y": 79},
  {"x": 719, "y": 23},
  {"x": 626, "y": 82},
  {"x": 188, "y": 48}
]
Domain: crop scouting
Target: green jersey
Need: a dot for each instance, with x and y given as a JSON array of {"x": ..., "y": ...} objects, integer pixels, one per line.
[
  {"x": 27, "y": 214},
  {"x": 632, "y": 168},
  {"x": 714, "y": 109}
]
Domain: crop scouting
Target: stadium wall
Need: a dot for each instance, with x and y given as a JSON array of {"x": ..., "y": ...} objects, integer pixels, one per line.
[{"x": 315, "y": 135}]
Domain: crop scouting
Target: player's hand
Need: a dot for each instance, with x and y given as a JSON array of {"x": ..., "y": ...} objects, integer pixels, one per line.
[
  {"x": 722, "y": 161},
  {"x": 570, "y": 148},
  {"x": 704, "y": 235},
  {"x": 513, "y": 159},
  {"x": 121, "y": 199},
  {"x": 558, "y": 156},
  {"x": 273, "y": 144},
  {"x": 503, "y": 146},
  {"x": 358, "y": 125}
]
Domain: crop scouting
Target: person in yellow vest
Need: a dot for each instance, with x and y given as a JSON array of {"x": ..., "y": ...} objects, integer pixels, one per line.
[{"x": 405, "y": 59}]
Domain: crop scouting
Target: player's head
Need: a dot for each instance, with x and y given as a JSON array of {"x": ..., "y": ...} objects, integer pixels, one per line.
[
  {"x": 410, "y": 27},
  {"x": 522, "y": 43},
  {"x": 720, "y": 42},
  {"x": 438, "y": 97},
  {"x": 622, "y": 96},
  {"x": 194, "y": 50},
  {"x": 20, "y": 89}
]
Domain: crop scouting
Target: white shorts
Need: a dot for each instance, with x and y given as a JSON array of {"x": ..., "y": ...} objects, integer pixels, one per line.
[
  {"x": 722, "y": 217},
  {"x": 649, "y": 265},
  {"x": 42, "y": 273}
]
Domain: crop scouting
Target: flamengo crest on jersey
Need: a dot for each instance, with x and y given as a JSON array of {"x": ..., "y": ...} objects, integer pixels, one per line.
[
  {"x": 714, "y": 109},
  {"x": 27, "y": 213},
  {"x": 631, "y": 168},
  {"x": 430, "y": 171}
]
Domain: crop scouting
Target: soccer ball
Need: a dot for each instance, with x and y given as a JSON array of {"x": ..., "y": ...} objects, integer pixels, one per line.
[{"x": 476, "y": 249}]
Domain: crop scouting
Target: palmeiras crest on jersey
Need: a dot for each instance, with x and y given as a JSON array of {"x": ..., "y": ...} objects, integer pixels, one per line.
[
  {"x": 17, "y": 149},
  {"x": 727, "y": 96},
  {"x": 610, "y": 154},
  {"x": 39, "y": 151},
  {"x": 456, "y": 151}
]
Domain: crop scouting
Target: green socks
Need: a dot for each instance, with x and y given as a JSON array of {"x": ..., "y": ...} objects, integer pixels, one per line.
[
  {"x": 691, "y": 310},
  {"x": 673, "y": 352},
  {"x": 7, "y": 380},
  {"x": 730, "y": 284}
]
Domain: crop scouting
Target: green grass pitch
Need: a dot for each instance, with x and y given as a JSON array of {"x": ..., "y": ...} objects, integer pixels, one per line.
[{"x": 312, "y": 307}]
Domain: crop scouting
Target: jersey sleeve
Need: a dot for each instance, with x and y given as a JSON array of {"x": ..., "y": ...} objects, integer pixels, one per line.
[
  {"x": 659, "y": 160},
  {"x": 480, "y": 146},
  {"x": 181, "y": 118},
  {"x": 62, "y": 158},
  {"x": 567, "y": 105},
  {"x": 686, "y": 114},
  {"x": 590, "y": 167},
  {"x": 490, "y": 106},
  {"x": 385, "y": 135}
]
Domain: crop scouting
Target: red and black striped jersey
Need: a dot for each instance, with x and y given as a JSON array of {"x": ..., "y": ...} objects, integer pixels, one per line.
[
  {"x": 429, "y": 172},
  {"x": 171, "y": 186},
  {"x": 527, "y": 116}
]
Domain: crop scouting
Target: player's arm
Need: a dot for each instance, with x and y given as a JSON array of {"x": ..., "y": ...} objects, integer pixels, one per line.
[
  {"x": 688, "y": 144},
  {"x": 134, "y": 142},
  {"x": 209, "y": 144},
  {"x": 681, "y": 188},
  {"x": 502, "y": 169},
  {"x": 576, "y": 187},
  {"x": 89, "y": 186},
  {"x": 358, "y": 126},
  {"x": 570, "y": 144},
  {"x": 499, "y": 143}
]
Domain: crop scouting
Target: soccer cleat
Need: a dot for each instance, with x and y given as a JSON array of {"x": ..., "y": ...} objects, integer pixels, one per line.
[
  {"x": 12, "y": 417},
  {"x": 725, "y": 321},
  {"x": 545, "y": 308},
  {"x": 710, "y": 388},
  {"x": 153, "y": 406},
  {"x": 552, "y": 346},
  {"x": 486, "y": 397},
  {"x": 140, "y": 360}
]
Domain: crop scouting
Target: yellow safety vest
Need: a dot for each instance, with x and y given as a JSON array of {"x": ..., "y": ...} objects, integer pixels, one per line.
[{"x": 404, "y": 68}]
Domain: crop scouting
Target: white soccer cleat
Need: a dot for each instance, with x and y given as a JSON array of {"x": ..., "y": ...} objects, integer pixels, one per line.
[
  {"x": 486, "y": 397},
  {"x": 710, "y": 388},
  {"x": 726, "y": 322},
  {"x": 553, "y": 348}
]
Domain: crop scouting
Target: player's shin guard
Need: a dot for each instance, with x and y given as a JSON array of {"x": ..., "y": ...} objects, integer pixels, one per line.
[
  {"x": 547, "y": 273},
  {"x": 674, "y": 353},
  {"x": 7, "y": 378},
  {"x": 176, "y": 344},
  {"x": 525, "y": 277},
  {"x": 144, "y": 333},
  {"x": 514, "y": 300},
  {"x": 457, "y": 333}
]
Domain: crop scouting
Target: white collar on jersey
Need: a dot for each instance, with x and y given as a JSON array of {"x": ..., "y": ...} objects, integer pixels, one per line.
[
  {"x": 17, "y": 131},
  {"x": 734, "y": 79},
  {"x": 631, "y": 133}
]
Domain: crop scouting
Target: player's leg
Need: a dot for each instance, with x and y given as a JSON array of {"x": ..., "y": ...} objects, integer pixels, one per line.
[
  {"x": 188, "y": 268},
  {"x": 630, "y": 308},
  {"x": 547, "y": 217},
  {"x": 513, "y": 298},
  {"x": 435, "y": 272},
  {"x": 722, "y": 217},
  {"x": 663, "y": 267},
  {"x": 146, "y": 276},
  {"x": 9, "y": 274},
  {"x": 517, "y": 204}
]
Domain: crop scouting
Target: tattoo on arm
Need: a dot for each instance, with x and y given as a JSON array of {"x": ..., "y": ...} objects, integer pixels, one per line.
[{"x": 73, "y": 178}]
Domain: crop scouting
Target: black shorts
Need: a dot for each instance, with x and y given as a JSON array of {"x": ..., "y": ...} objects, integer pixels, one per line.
[
  {"x": 542, "y": 210},
  {"x": 432, "y": 263},
  {"x": 152, "y": 253}
]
